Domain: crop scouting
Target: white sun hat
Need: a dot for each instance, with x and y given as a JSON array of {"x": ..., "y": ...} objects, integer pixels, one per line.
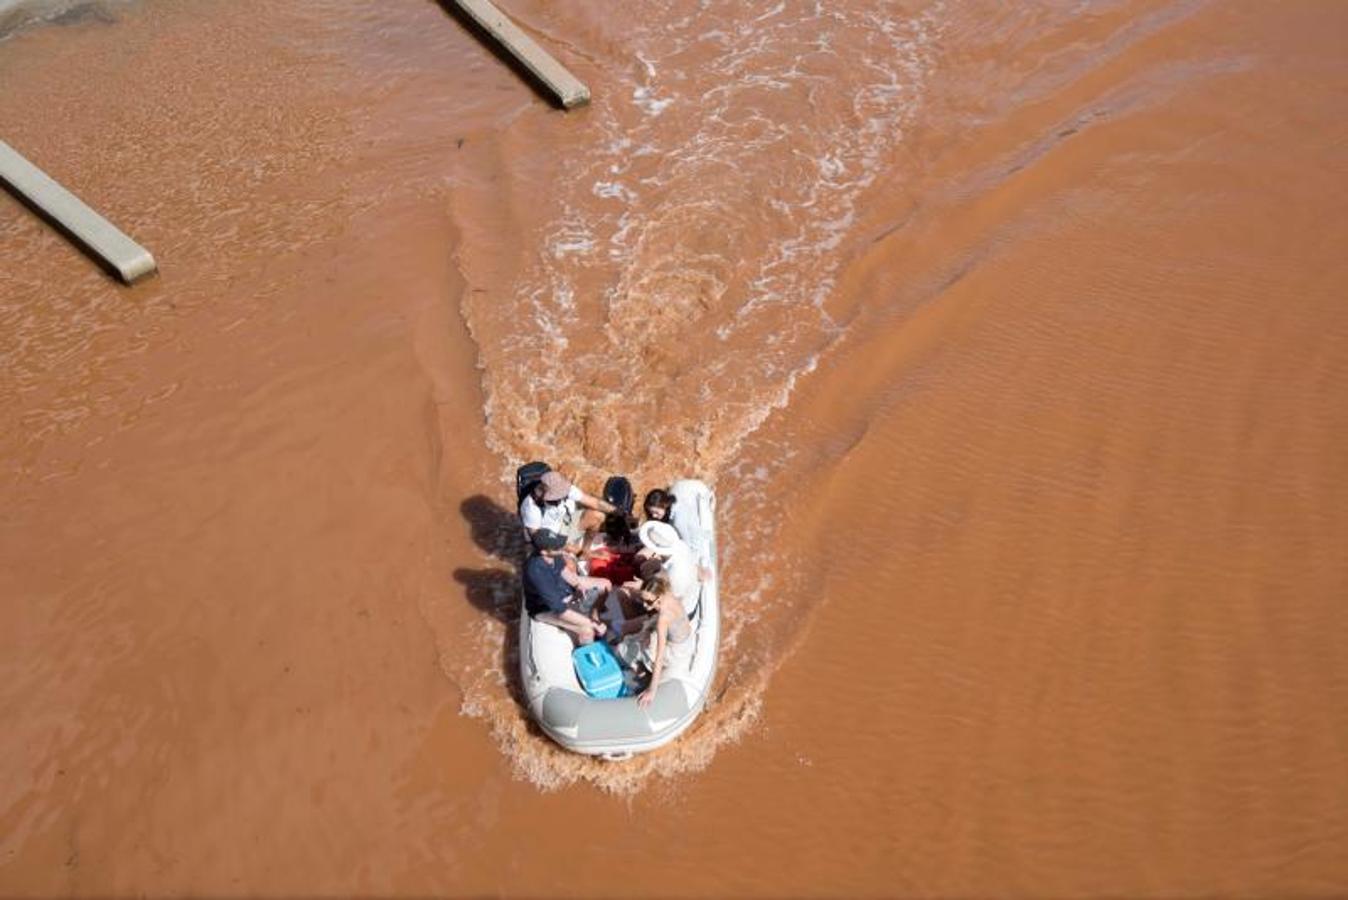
[{"x": 660, "y": 538}]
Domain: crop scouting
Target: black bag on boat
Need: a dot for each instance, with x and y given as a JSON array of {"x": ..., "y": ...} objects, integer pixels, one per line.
[{"x": 528, "y": 475}]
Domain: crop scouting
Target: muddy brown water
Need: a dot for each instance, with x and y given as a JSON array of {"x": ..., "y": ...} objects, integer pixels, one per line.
[{"x": 1012, "y": 338}]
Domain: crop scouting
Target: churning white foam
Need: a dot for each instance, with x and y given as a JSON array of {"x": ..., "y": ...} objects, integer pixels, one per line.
[{"x": 729, "y": 166}]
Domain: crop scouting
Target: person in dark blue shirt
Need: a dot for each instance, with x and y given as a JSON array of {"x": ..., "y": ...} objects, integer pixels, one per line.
[{"x": 553, "y": 590}]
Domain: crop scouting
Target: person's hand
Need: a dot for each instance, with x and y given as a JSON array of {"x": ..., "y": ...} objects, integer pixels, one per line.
[
  {"x": 646, "y": 698},
  {"x": 600, "y": 628}
]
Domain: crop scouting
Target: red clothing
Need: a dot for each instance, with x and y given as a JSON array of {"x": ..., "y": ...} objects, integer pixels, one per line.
[{"x": 616, "y": 567}]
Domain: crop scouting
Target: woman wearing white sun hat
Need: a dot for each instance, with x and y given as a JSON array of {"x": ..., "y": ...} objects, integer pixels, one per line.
[{"x": 677, "y": 559}]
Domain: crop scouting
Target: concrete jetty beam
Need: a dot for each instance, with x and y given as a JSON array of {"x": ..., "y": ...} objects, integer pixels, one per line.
[
  {"x": 568, "y": 89},
  {"x": 94, "y": 234}
]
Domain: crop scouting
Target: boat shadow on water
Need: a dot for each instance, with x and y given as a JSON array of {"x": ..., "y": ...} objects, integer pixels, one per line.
[{"x": 495, "y": 591}]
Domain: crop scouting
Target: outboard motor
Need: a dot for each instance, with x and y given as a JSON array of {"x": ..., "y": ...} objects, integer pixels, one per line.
[
  {"x": 618, "y": 491},
  {"x": 618, "y": 527}
]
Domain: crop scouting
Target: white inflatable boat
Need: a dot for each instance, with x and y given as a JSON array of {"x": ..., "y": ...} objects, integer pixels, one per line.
[{"x": 618, "y": 728}]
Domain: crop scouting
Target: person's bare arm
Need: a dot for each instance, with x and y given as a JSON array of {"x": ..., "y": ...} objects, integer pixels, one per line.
[
  {"x": 647, "y": 697},
  {"x": 585, "y": 582},
  {"x": 591, "y": 502}
]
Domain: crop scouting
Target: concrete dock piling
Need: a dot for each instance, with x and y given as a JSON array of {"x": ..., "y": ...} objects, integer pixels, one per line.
[
  {"x": 94, "y": 234},
  {"x": 568, "y": 89}
]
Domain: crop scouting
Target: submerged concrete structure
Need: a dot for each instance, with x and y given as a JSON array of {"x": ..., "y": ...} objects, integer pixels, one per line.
[
  {"x": 568, "y": 89},
  {"x": 94, "y": 234}
]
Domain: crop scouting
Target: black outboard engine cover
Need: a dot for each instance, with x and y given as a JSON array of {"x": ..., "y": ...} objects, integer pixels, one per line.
[
  {"x": 618, "y": 491},
  {"x": 618, "y": 527},
  {"x": 528, "y": 475}
]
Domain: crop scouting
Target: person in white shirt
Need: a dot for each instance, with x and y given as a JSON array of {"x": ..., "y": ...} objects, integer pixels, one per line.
[{"x": 552, "y": 505}]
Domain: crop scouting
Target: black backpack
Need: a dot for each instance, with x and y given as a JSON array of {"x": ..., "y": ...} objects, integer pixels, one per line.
[{"x": 528, "y": 475}]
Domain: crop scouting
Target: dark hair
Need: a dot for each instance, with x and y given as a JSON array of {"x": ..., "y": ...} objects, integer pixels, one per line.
[
  {"x": 660, "y": 499},
  {"x": 657, "y": 584},
  {"x": 618, "y": 528}
]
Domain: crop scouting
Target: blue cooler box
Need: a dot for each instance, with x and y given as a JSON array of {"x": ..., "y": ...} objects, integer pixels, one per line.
[{"x": 598, "y": 670}]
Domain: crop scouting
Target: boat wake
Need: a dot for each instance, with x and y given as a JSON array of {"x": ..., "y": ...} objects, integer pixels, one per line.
[{"x": 700, "y": 220}]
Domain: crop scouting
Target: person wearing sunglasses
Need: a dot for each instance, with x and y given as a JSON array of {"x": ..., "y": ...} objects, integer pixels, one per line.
[{"x": 671, "y": 631}]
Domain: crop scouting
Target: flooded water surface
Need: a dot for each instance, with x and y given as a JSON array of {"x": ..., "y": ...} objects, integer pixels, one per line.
[{"x": 1011, "y": 338}]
